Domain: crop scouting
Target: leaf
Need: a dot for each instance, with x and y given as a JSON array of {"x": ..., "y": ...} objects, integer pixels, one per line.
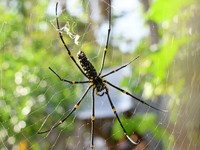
[{"x": 161, "y": 10}]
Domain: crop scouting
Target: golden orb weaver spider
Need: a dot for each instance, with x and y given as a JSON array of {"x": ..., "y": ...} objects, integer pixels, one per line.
[{"x": 96, "y": 81}]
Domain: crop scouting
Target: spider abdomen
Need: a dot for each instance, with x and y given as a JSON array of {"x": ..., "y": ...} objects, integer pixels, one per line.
[{"x": 88, "y": 68}]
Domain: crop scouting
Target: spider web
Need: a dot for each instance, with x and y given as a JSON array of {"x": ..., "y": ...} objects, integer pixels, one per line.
[{"x": 177, "y": 129}]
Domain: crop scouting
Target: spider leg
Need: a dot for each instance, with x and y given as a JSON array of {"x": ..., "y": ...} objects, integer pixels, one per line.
[
  {"x": 138, "y": 99},
  {"x": 108, "y": 36},
  {"x": 115, "y": 112},
  {"x": 113, "y": 71},
  {"x": 71, "y": 82},
  {"x": 74, "y": 109},
  {"x": 92, "y": 121},
  {"x": 65, "y": 45}
]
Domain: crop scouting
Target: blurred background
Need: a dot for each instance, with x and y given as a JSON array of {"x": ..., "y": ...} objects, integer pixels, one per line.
[{"x": 165, "y": 34}]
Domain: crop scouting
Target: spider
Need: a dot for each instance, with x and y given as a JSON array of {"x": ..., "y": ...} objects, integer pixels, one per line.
[{"x": 96, "y": 82}]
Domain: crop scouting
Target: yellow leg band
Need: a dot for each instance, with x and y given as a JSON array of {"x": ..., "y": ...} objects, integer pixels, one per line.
[
  {"x": 76, "y": 106},
  {"x": 93, "y": 118}
]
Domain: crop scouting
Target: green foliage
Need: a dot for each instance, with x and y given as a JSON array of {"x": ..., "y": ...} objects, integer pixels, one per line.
[
  {"x": 157, "y": 59},
  {"x": 162, "y": 10},
  {"x": 156, "y": 66},
  {"x": 30, "y": 93},
  {"x": 141, "y": 124}
]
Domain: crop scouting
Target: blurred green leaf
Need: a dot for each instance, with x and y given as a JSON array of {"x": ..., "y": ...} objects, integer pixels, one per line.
[{"x": 162, "y": 10}]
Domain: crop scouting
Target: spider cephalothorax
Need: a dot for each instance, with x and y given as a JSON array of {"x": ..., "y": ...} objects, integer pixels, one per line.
[{"x": 96, "y": 81}]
